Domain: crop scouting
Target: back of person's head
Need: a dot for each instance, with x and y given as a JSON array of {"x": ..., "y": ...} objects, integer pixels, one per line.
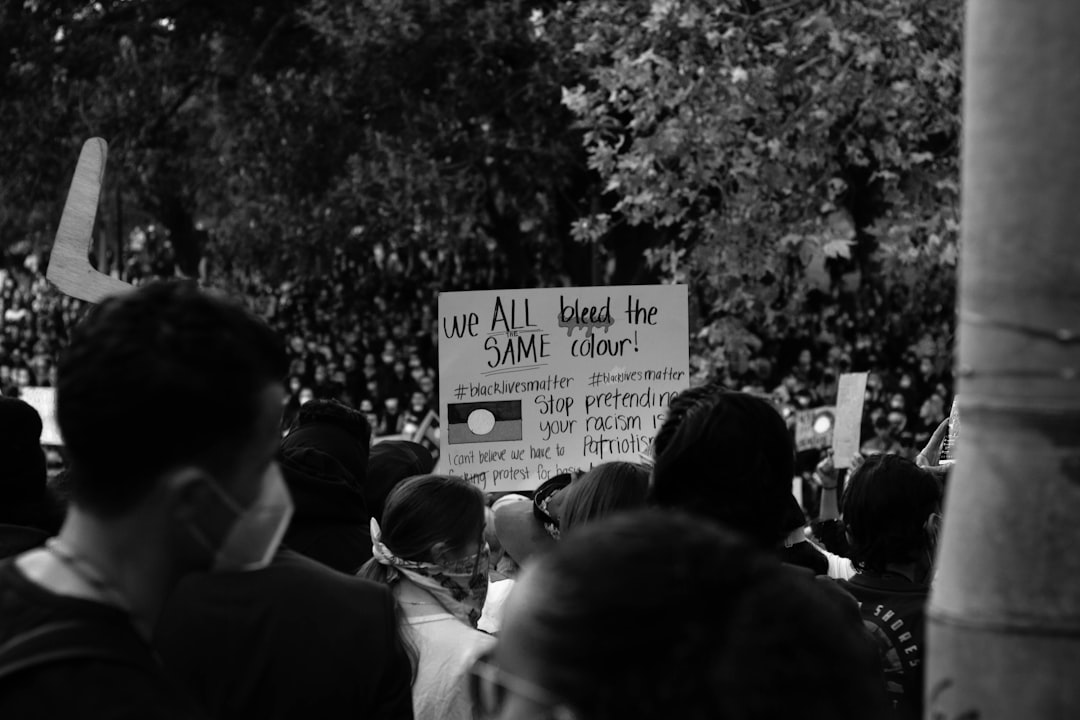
[
  {"x": 25, "y": 499},
  {"x": 335, "y": 429},
  {"x": 605, "y": 489},
  {"x": 390, "y": 462},
  {"x": 429, "y": 518},
  {"x": 654, "y": 614},
  {"x": 22, "y": 462},
  {"x": 727, "y": 456},
  {"x": 161, "y": 378},
  {"x": 888, "y": 507}
]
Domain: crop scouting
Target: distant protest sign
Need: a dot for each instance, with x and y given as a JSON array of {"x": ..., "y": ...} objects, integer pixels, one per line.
[
  {"x": 814, "y": 428},
  {"x": 850, "y": 394},
  {"x": 43, "y": 399},
  {"x": 538, "y": 382}
]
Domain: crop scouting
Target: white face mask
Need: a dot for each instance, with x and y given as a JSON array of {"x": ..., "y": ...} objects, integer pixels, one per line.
[{"x": 258, "y": 529}]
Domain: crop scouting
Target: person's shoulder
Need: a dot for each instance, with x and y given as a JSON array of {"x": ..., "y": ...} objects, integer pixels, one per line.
[
  {"x": 292, "y": 566},
  {"x": 92, "y": 688},
  {"x": 449, "y": 632}
]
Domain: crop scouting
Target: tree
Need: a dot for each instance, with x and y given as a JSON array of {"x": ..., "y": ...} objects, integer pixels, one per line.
[
  {"x": 759, "y": 139},
  {"x": 265, "y": 130}
]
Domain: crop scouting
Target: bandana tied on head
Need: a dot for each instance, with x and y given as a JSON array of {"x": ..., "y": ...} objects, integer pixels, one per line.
[{"x": 460, "y": 587}]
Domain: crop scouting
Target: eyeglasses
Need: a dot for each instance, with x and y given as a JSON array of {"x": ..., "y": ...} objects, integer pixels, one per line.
[{"x": 490, "y": 686}]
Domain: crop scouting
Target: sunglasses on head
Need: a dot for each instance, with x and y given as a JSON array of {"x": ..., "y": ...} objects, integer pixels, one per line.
[{"x": 489, "y": 688}]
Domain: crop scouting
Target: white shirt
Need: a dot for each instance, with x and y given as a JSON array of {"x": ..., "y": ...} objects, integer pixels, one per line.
[
  {"x": 447, "y": 648},
  {"x": 491, "y": 618}
]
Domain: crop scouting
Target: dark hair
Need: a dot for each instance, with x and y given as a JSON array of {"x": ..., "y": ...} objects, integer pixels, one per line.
[
  {"x": 656, "y": 614},
  {"x": 334, "y": 412},
  {"x": 885, "y": 507},
  {"x": 333, "y": 428},
  {"x": 728, "y": 456},
  {"x": 603, "y": 490},
  {"x": 389, "y": 463},
  {"x": 160, "y": 377},
  {"x": 678, "y": 408},
  {"x": 426, "y": 510}
]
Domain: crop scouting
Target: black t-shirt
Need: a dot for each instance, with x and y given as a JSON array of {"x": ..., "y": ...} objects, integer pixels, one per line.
[
  {"x": 293, "y": 640},
  {"x": 804, "y": 554},
  {"x": 893, "y": 609},
  {"x": 85, "y": 688}
]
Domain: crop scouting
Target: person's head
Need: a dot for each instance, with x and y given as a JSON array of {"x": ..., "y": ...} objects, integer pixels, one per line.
[
  {"x": 367, "y": 408},
  {"x": 926, "y": 367},
  {"x": 24, "y": 496},
  {"x": 730, "y": 457},
  {"x": 389, "y": 463},
  {"x": 883, "y": 428},
  {"x": 305, "y": 396},
  {"x": 391, "y": 405},
  {"x": 897, "y": 402},
  {"x": 436, "y": 519},
  {"x": 654, "y": 614},
  {"x": 892, "y": 511},
  {"x": 605, "y": 489},
  {"x": 932, "y": 409},
  {"x": 418, "y": 400},
  {"x": 169, "y": 402},
  {"x": 334, "y": 429}
]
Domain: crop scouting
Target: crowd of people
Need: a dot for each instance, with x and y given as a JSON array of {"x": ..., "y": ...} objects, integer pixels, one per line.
[
  {"x": 202, "y": 563},
  {"x": 363, "y": 332}
]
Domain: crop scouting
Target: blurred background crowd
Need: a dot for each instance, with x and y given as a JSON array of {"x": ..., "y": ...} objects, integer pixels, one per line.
[{"x": 364, "y": 332}]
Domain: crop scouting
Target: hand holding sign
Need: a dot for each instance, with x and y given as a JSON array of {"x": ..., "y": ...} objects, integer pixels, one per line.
[
  {"x": 69, "y": 265},
  {"x": 930, "y": 457}
]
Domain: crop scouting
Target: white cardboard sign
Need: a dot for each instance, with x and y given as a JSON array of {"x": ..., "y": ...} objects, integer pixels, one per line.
[
  {"x": 538, "y": 382},
  {"x": 43, "y": 399},
  {"x": 850, "y": 395}
]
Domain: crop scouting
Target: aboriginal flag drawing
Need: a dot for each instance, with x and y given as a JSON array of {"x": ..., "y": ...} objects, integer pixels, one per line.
[{"x": 495, "y": 421}]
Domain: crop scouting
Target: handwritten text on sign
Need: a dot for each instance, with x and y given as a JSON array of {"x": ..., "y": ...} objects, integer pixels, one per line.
[{"x": 538, "y": 382}]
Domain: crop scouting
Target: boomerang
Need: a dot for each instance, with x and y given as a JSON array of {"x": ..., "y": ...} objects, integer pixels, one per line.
[{"x": 69, "y": 265}]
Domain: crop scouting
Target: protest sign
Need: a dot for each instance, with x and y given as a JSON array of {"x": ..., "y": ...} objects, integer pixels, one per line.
[
  {"x": 539, "y": 382},
  {"x": 43, "y": 399},
  {"x": 849, "y": 409},
  {"x": 814, "y": 428},
  {"x": 949, "y": 446}
]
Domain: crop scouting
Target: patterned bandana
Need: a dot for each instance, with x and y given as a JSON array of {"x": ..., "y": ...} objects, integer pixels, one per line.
[{"x": 460, "y": 587}]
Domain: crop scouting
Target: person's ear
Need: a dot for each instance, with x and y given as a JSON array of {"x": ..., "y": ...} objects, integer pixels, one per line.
[
  {"x": 188, "y": 491},
  {"x": 201, "y": 518},
  {"x": 932, "y": 527},
  {"x": 440, "y": 553}
]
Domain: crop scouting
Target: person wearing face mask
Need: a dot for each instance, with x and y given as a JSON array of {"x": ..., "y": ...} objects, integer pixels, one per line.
[
  {"x": 429, "y": 547},
  {"x": 160, "y": 490},
  {"x": 892, "y": 511},
  {"x": 302, "y": 637}
]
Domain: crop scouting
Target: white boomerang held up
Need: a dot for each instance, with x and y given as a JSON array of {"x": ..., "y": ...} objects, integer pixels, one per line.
[{"x": 69, "y": 265}]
